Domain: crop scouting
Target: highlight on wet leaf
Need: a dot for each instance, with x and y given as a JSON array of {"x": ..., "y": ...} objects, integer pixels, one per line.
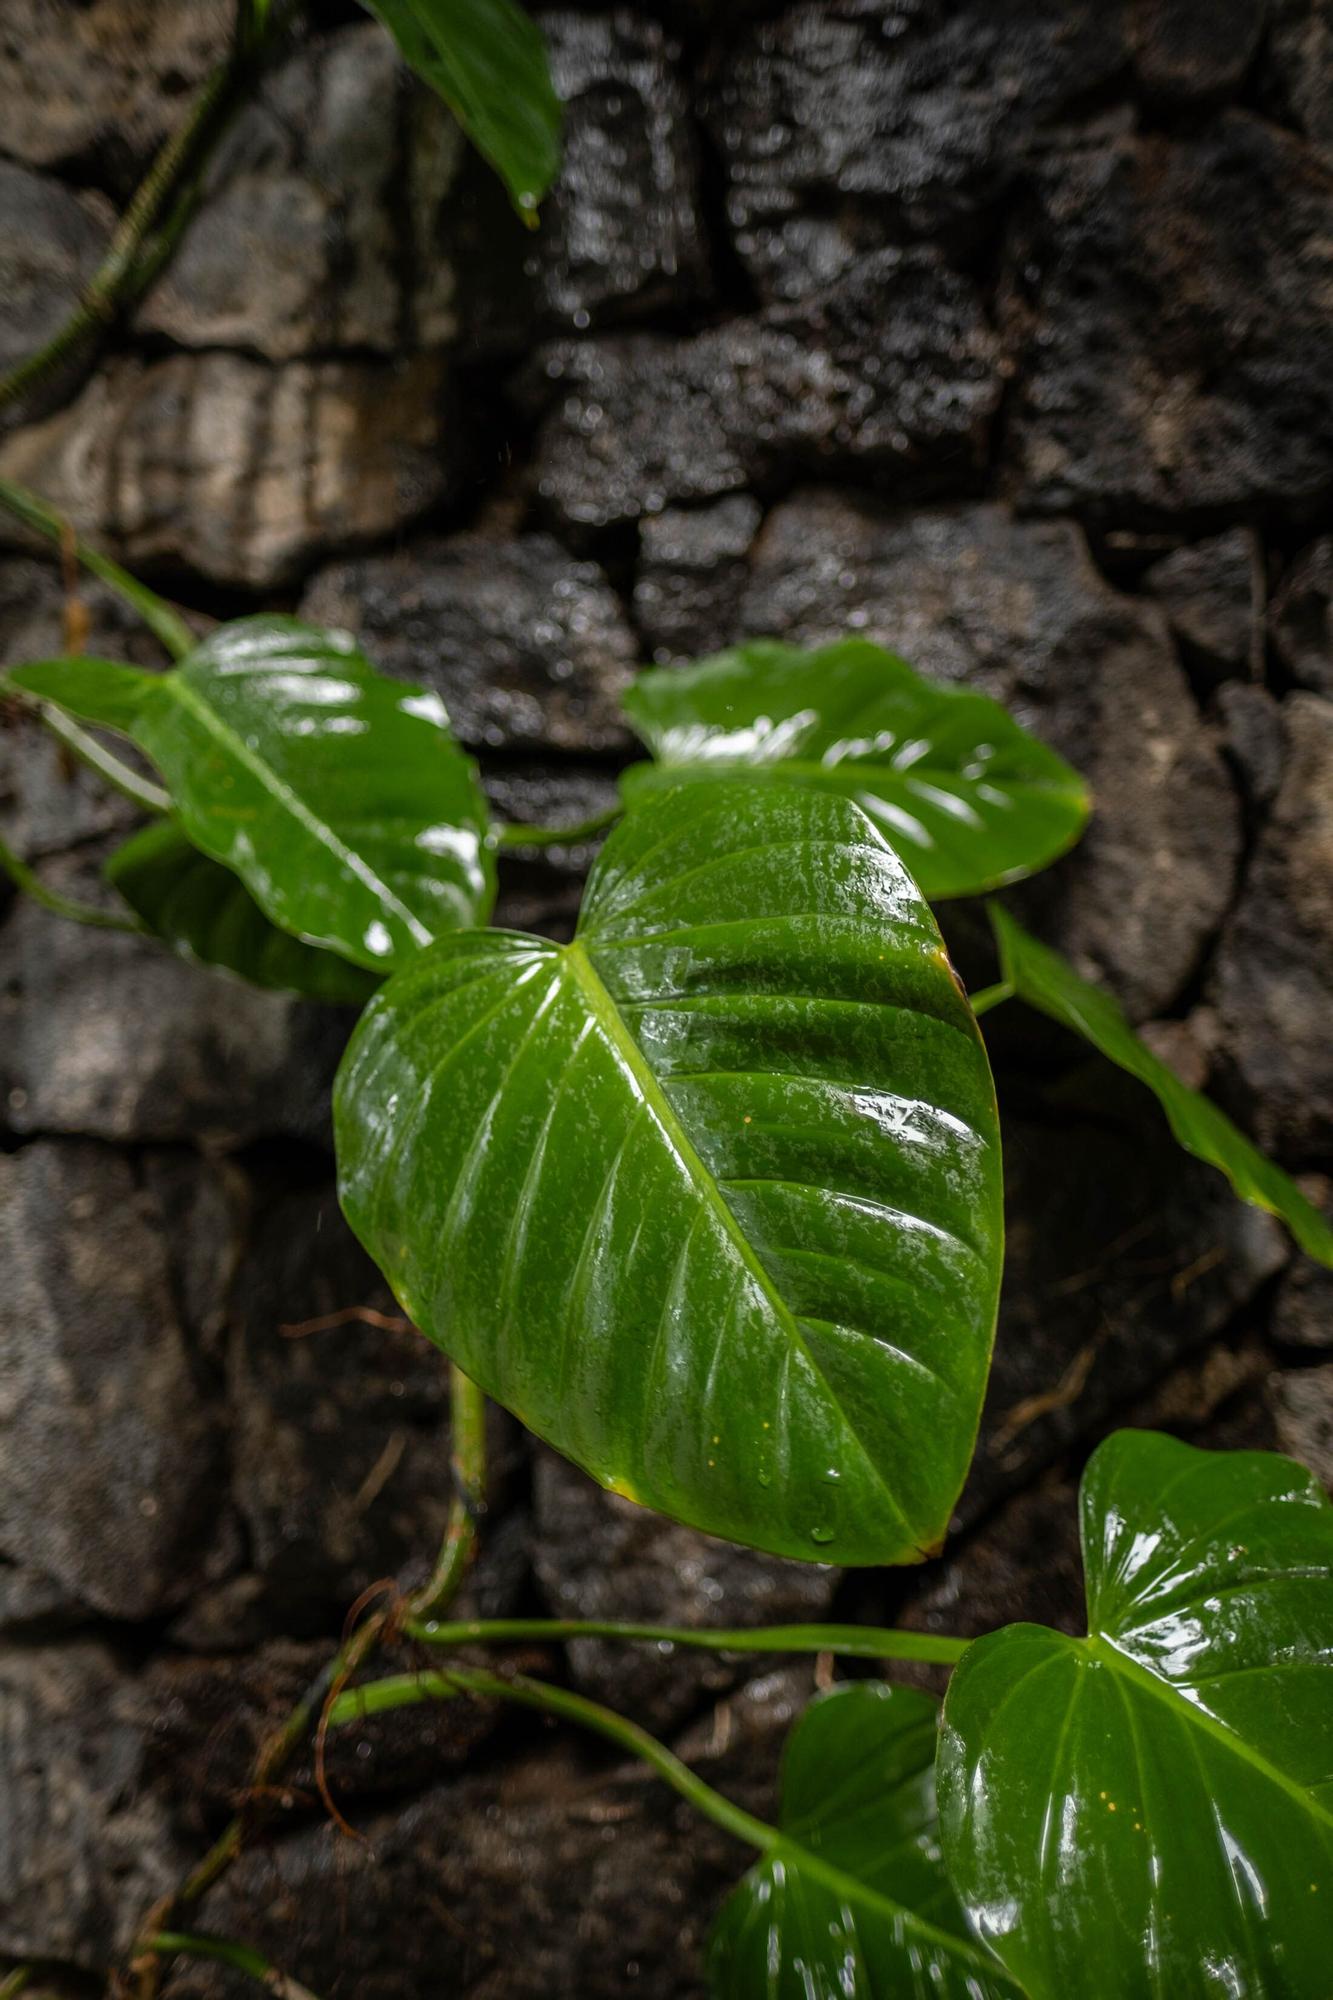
[
  {"x": 339, "y": 796},
  {"x": 487, "y": 60},
  {"x": 710, "y": 1198},
  {"x": 1048, "y": 982},
  {"x": 206, "y": 914},
  {"x": 853, "y": 1897},
  {"x": 1156, "y": 1800},
  {"x": 968, "y": 798}
]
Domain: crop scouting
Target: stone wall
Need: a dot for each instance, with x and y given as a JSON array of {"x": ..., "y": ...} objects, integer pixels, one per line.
[{"x": 995, "y": 330}]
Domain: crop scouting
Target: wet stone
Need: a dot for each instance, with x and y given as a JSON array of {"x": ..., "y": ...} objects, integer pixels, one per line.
[
  {"x": 691, "y": 575},
  {"x": 527, "y": 647},
  {"x": 113, "y": 1465},
  {"x": 79, "y": 1052},
  {"x": 319, "y": 214},
  {"x": 88, "y": 1847},
  {"x": 541, "y": 888},
  {"x": 1207, "y": 590},
  {"x": 842, "y": 129},
  {"x": 891, "y": 370},
  {"x": 1301, "y": 618},
  {"x": 1015, "y": 609},
  {"x": 1296, "y": 70},
  {"x": 1301, "y": 1400},
  {"x": 1255, "y": 737},
  {"x": 1273, "y": 981},
  {"x": 599, "y": 1556},
  {"x": 243, "y": 472},
  {"x": 1303, "y": 1306},
  {"x": 51, "y": 242},
  {"x": 1169, "y": 330},
  {"x": 1186, "y": 51}
]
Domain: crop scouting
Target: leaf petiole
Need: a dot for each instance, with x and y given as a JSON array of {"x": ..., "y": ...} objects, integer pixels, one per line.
[
  {"x": 32, "y": 885},
  {"x": 557, "y": 836},
  {"x": 160, "y": 617},
  {"x": 861, "y": 1642}
]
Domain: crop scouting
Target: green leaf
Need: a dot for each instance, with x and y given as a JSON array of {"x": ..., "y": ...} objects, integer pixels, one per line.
[
  {"x": 853, "y": 1902},
  {"x": 337, "y": 795},
  {"x": 967, "y": 798},
  {"x": 1156, "y": 1801},
  {"x": 1046, "y": 981},
  {"x": 487, "y": 60},
  {"x": 710, "y": 1198},
  {"x": 205, "y": 913}
]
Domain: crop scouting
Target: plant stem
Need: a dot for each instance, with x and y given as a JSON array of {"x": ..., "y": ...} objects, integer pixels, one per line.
[
  {"x": 159, "y": 616},
  {"x": 196, "y": 1944},
  {"x": 119, "y": 277},
  {"x": 862, "y": 1642},
  {"x": 95, "y": 755},
  {"x": 990, "y": 996},
  {"x": 14, "y": 1982},
  {"x": 402, "y": 1690},
  {"x": 557, "y": 836},
  {"x": 468, "y": 1416},
  {"x": 32, "y": 885}
]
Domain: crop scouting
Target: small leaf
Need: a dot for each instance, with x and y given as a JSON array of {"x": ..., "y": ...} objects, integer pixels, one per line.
[
  {"x": 710, "y": 1198},
  {"x": 205, "y": 913},
  {"x": 487, "y": 60},
  {"x": 965, "y": 796},
  {"x": 1047, "y": 982},
  {"x": 853, "y": 1902},
  {"x": 1156, "y": 1800},
  {"x": 337, "y": 795}
]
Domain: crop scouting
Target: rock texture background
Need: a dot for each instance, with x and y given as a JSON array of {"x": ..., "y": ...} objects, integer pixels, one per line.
[{"x": 996, "y": 330}]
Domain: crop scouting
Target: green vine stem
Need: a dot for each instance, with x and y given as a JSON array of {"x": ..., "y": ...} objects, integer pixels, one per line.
[
  {"x": 318, "y": 1703},
  {"x": 95, "y": 755},
  {"x": 32, "y": 885},
  {"x": 403, "y": 1690},
  {"x": 160, "y": 617},
  {"x": 557, "y": 836},
  {"x": 192, "y": 1944},
  {"x": 987, "y": 997},
  {"x": 15, "y": 1982},
  {"x": 861, "y": 1642}
]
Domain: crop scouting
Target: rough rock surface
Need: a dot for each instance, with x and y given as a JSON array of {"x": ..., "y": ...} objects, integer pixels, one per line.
[
  {"x": 1207, "y": 590},
  {"x": 1175, "y": 363},
  {"x": 1190, "y": 50},
  {"x": 1017, "y": 610},
  {"x": 692, "y": 573},
  {"x": 1273, "y": 983},
  {"x": 1302, "y": 618},
  {"x": 51, "y": 242},
  {"x": 526, "y": 647},
  {"x": 1296, "y": 73},
  {"x": 639, "y": 422},
  {"x": 333, "y": 452}
]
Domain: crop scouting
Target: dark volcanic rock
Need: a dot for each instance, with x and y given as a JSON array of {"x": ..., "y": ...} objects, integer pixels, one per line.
[
  {"x": 110, "y": 1036},
  {"x": 1207, "y": 591},
  {"x": 1017, "y": 610},
  {"x": 113, "y": 1473},
  {"x": 621, "y": 233},
  {"x": 541, "y": 888},
  {"x": 244, "y": 472},
  {"x": 1302, "y": 618},
  {"x": 1273, "y": 983},
  {"x": 97, "y": 85},
  {"x": 320, "y": 213},
  {"x": 893, "y": 370},
  {"x": 1296, "y": 74},
  {"x": 691, "y": 576},
  {"x": 598, "y": 1556},
  {"x": 526, "y": 647},
  {"x": 51, "y": 242},
  {"x": 1177, "y": 363},
  {"x": 87, "y": 1848},
  {"x": 1194, "y": 49},
  {"x": 847, "y": 126},
  {"x": 1255, "y": 736},
  {"x": 1301, "y": 1400}
]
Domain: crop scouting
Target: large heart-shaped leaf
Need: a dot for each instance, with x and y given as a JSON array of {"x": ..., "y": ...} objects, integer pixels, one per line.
[
  {"x": 965, "y": 795},
  {"x": 338, "y": 796},
  {"x": 1047, "y": 981},
  {"x": 710, "y": 1198},
  {"x": 207, "y": 914},
  {"x": 1155, "y": 1802},
  {"x": 852, "y": 1902},
  {"x": 487, "y": 60}
]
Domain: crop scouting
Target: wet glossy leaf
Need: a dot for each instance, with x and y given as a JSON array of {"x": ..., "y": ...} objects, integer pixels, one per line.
[
  {"x": 339, "y": 796},
  {"x": 207, "y": 914},
  {"x": 487, "y": 60},
  {"x": 1047, "y": 981},
  {"x": 709, "y": 1198},
  {"x": 1156, "y": 1801},
  {"x": 853, "y": 1903},
  {"x": 967, "y": 798}
]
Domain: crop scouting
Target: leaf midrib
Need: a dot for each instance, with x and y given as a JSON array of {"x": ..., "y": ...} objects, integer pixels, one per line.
[
  {"x": 181, "y": 690},
  {"x": 608, "y": 1017},
  {"x": 815, "y": 769},
  {"x": 1103, "y": 1647}
]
